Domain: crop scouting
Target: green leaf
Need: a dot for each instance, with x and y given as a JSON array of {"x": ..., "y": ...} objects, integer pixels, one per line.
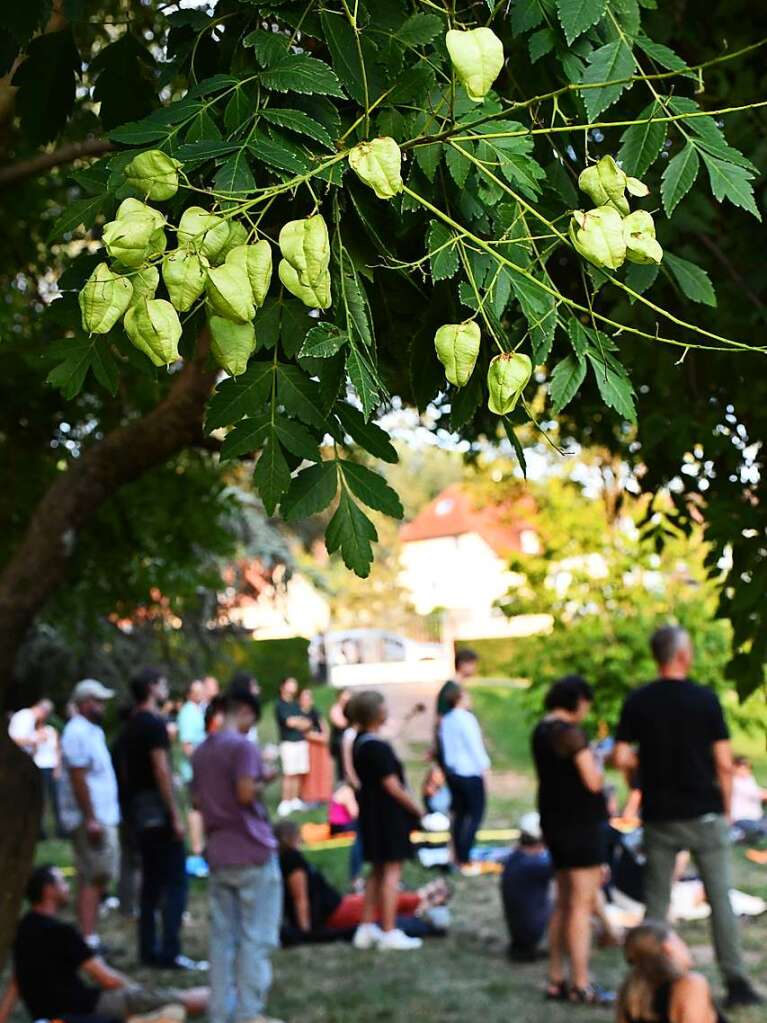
[
  {"x": 268, "y": 47},
  {"x": 301, "y": 73},
  {"x": 729, "y": 181},
  {"x": 567, "y": 376},
  {"x": 641, "y": 276},
  {"x": 247, "y": 436},
  {"x": 238, "y": 110},
  {"x": 351, "y": 532},
  {"x": 80, "y": 212},
  {"x": 364, "y": 378},
  {"x": 299, "y": 122},
  {"x": 519, "y": 451},
  {"x": 579, "y": 339},
  {"x": 457, "y": 164},
  {"x": 296, "y": 439},
  {"x": 608, "y": 63},
  {"x": 299, "y": 395},
  {"x": 125, "y": 86},
  {"x": 693, "y": 280},
  {"x": 343, "y": 43},
  {"x": 241, "y": 396},
  {"x": 69, "y": 376},
  {"x": 613, "y": 383},
  {"x": 527, "y": 14},
  {"x": 272, "y": 475},
  {"x": 641, "y": 144},
  {"x": 369, "y": 436},
  {"x": 575, "y": 16},
  {"x": 234, "y": 178},
  {"x": 104, "y": 366},
  {"x": 411, "y": 84},
  {"x": 420, "y": 29},
  {"x": 138, "y": 133},
  {"x": 46, "y": 85},
  {"x": 371, "y": 488},
  {"x": 205, "y": 149},
  {"x": 443, "y": 252},
  {"x": 323, "y": 341},
  {"x": 295, "y": 321},
  {"x": 202, "y": 127},
  {"x": 662, "y": 54},
  {"x": 541, "y": 42},
  {"x": 428, "y": 158},
  {"x": 274, "y": 151},
  {"x": 310, "y": 491},
  {"x": 678, "y": 177}
]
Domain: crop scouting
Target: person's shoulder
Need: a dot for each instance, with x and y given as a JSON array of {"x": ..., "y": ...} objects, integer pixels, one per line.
[{"x": 692, "y": 985}]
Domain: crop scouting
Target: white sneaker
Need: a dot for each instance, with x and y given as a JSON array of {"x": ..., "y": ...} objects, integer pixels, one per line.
[
  {"x": 265, "y": 1019},
  {"x": 397, "y": 940},
  {"x": 367, "y": 936},
  {"x": 167, "y": 1014},
  {"x": 298, "y": 806},
  {"x": 285, "y": 807}
]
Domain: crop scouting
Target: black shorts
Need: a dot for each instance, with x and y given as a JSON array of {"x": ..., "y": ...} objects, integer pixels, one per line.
[{"x": 578, "y": 848}]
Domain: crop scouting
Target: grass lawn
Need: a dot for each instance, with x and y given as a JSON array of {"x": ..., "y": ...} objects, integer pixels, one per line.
[{"x": 464, "y": 976}]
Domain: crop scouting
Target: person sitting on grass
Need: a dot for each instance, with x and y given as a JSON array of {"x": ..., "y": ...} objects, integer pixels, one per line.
[
  {"x": 388, "y": 813},
  {"x": 316, "y": 911},
  {"x": 50, "y": 955},
  {"x": 661, "y": 987},
  {"x": 525, "y": 890},
  {"x": 748, "y": 802}
]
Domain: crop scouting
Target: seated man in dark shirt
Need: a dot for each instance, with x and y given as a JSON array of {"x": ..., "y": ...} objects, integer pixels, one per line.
[
  {"x": 49, "y": 957},
  {"x": 525, "y": 885}
]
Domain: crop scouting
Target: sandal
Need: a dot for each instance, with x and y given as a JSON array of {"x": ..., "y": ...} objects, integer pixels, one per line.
[
  {"x": 557, "y": 991},
  {"x": 593, "y": 994}
]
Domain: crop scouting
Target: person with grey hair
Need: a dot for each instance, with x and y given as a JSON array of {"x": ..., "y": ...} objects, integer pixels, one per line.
[{"x": 674, "y": 732}]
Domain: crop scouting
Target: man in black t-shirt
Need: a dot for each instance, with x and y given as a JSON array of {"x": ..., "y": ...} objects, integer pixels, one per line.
[
  {"x": 142, "y": 753},
  {"x": 684, "y": 757},
  {"x": 50, "y": 955}
]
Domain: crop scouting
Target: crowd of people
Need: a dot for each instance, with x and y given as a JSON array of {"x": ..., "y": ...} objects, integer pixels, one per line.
[{"x": 182, "y": 792}]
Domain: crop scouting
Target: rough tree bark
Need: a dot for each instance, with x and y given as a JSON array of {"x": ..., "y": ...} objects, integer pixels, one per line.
[{"x": 39, "y": 565}]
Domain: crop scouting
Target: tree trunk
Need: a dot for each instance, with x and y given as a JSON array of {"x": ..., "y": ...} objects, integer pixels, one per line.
[
  {"x": 21, "y": 803},
  {"x": 39, "y": 565}
]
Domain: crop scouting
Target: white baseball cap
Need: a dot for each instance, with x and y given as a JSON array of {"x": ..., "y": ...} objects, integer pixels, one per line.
[
  {"x": 91, "y": 689},
  {"x": 530, "y": 825}
]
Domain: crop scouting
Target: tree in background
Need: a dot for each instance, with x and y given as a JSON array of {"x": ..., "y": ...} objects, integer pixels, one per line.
[{"x": 430, "y": 183}]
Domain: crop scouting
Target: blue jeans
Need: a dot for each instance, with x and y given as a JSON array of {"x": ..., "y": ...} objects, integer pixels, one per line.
[
  {"x": 245, "y": 913},
  {"x": 467, "y": 802}
]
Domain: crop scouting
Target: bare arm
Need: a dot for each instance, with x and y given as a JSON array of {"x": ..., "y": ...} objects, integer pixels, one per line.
[
  {"x": 397, "y": 791},
  {"x": 723, "y": 764},
  {"x": 8, "y": 1001},
  {"x": 348, "y": 763},
  {"x": 300, "y": 723},
  {"x": 299, "y": 890},
  {"x": 161, "y": 769},
  {"x": 337, "y": 716},
  {"x": 83, "y": 799},
  {"x": 691, "y": 1001},
  {"x": 589, "y": 770},
  {"x": 104, "y": 976}
]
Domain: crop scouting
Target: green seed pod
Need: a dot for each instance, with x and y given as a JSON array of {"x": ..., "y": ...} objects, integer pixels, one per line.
[
  {"x": 477, "y": 57},
  {"x": 306, "y": 247},
  {"x": 605, "y": 184},
  {"x": 232, "y": 344},
  {"x": 378, "y": 164},
  {"x": 598, "y": 236},
  {"x": 507, "y": 377},
  {"x": 204, "y": 231},
  {"x": 184, "y": 276},
  {"x": 135, "y": 234},
  {"x": 639, "y": 235},
  {"x": 238, "y": 235},
  {"x": 104, "y": 299},
  {"x": 145, "y": 283},
  {"x": 457, "y": 346},
  {"x": 154, "y": 328},
  {"x": 229, "y": 294},
  {"x": 256, "y": 261},
  {"x": 636, "y": 187},
  {"x": 316, "y": 296},
  {"x": 154, "y": 174}
]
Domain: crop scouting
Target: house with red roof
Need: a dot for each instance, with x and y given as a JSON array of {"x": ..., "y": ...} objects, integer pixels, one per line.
[{"x": 455, "y": 557}]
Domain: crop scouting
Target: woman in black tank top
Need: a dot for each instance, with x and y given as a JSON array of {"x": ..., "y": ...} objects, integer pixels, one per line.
[{"x": 661, "y": 987}]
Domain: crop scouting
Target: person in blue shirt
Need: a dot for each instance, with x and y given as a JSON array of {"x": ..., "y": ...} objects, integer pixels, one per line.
[
  {"x": 466, "y": 764},
  {"x": 525, "y": 890}
]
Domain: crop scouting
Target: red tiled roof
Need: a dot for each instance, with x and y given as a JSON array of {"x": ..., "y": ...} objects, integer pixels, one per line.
[{"x": 453, "y": 513}]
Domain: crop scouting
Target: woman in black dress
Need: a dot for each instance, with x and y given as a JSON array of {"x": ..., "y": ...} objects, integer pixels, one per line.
[
  {"x": 573, "y": 815},
  {"x": 661, "y": 987},
  {"x": 387, "y": 815}
]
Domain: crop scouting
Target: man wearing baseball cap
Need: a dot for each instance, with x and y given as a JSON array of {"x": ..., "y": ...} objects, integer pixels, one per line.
[{"x": 90, "y": 810}]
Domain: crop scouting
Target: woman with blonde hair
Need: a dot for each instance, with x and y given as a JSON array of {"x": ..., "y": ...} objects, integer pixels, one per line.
[{"x": 661, "y": 987}]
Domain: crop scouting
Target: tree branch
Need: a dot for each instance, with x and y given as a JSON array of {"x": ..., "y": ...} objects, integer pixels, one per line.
[{"x": 12, "y": 173}]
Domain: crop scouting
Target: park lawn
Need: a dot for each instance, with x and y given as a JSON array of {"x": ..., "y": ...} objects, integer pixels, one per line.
[{"x": 465, "y": 976}]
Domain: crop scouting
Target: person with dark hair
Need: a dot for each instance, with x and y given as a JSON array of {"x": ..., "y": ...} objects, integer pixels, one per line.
[
  {"x": 466, "y": 764},
  {"x": 684, "y": 755},
  {"x": 388, "y": 813},
  {"x": 147, "y": 779},
  {"x": 338, "y": 725},
  {"x": 525, "y": 883},
  {"x": 191, "y": 732},
  {"x": 317, "y": 783},
  {"x": 661, "y": 987},
  {"x": 466, "y": 667},
  {"x": 90, "y": 806},
  {"x": 292, "y": 726},
  {"x": 573, "y": 813},
  {"x": 245, "y": 889},
  {"x": 49, "y": 957},
  {"x": 215, "y": 713}
]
